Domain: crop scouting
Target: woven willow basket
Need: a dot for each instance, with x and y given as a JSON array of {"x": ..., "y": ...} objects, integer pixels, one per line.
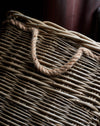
[{"x": 49, "y": 76}]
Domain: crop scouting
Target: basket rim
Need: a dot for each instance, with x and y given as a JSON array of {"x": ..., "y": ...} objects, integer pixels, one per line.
[{"x": 56, "y": 29}]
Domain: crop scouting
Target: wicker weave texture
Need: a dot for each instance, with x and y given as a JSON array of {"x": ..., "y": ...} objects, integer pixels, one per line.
[{"x": 28, "y": 97}]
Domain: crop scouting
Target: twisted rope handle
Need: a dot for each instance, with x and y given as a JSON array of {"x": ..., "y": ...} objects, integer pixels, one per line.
[
  {"x": 62, "y": 69},
  {"x": 43, "y": 69}
]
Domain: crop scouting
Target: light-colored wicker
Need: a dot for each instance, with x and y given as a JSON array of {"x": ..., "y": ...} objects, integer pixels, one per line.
[{"x": 49, "y": 76}]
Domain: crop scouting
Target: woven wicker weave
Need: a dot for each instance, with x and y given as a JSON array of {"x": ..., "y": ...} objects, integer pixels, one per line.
[{"x": 49, "y": 76}]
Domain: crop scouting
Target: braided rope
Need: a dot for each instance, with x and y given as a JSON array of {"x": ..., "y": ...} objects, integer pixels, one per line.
[{"x": 43, "y": 69}]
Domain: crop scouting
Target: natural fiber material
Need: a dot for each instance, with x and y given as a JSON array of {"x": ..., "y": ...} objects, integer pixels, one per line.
[
  {"x": 49, "y": 76},
  {"x": 63, "y": 68}
]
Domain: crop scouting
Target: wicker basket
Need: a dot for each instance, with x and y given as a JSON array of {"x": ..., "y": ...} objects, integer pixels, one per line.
[{"x": 49, "y": 76}]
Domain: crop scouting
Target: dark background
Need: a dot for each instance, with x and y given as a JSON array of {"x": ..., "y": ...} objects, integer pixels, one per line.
[
  {"x": 33, "y": 8},
  {"x": 79, "y": 15}
]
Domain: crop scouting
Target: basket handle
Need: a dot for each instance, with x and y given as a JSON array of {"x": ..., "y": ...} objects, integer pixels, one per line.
[
  {"x": 43, "y": 69},
  {"x": 65, "y": 67}
]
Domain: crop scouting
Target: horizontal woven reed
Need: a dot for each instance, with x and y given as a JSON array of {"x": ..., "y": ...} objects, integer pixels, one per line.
[{"x": 31, "y": 91}]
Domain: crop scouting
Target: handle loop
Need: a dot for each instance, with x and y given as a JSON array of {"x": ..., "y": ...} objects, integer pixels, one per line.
[
  {"x": 62, "y": 69},
  {"x": 43, "y": 69}
]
